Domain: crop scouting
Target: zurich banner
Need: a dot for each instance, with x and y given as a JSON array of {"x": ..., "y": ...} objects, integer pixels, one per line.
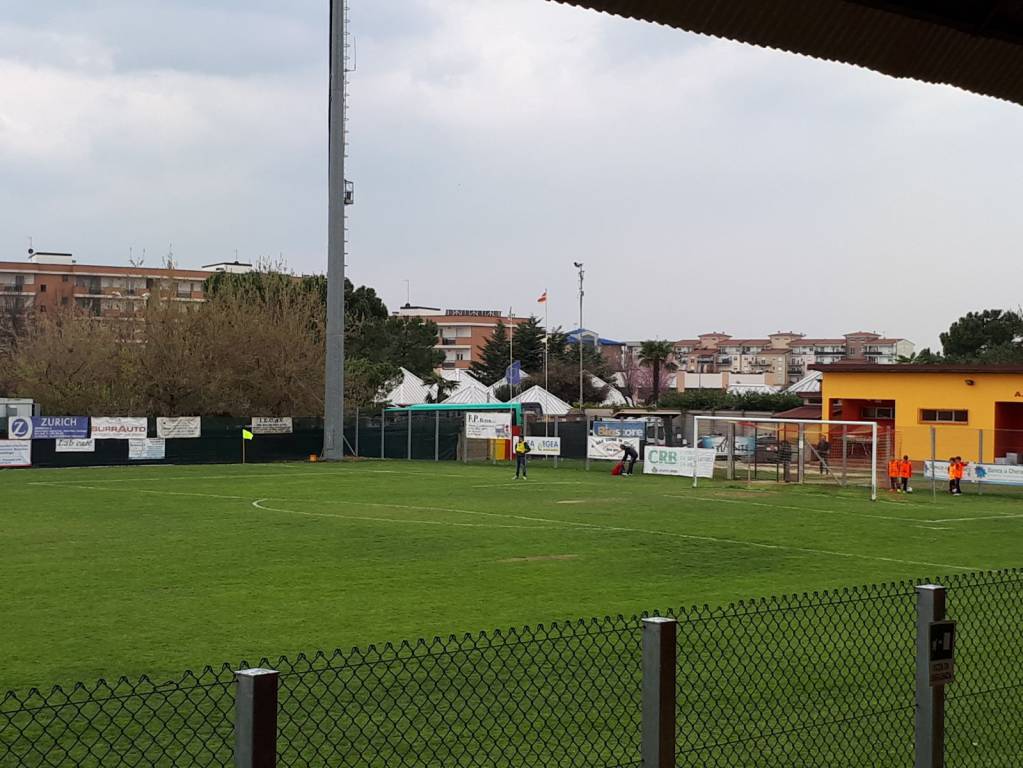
[{"x": 48, "y": 428}]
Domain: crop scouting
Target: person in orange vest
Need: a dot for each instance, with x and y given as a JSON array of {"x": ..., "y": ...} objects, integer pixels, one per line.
[
  {"x": 952, "y": 475},
  {"x": 960, "y": 470},
  {"x": 905, "y": 473},
  {"x": 893, "y": 475}
]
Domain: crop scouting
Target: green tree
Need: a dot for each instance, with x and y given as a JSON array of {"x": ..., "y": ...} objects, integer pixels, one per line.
[
  {"x": 528, "y": 345},
  {"x": 563, "y": 381},
  {"x": 720, "y": 400},
  {"x": 493, "y": 360},
  {"x": 990, "y": 336},
  {"x": 410, "y": 343},
  {"x": 655, "y": 355}
]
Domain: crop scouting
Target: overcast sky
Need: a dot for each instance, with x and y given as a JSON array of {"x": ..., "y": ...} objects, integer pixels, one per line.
[{"x": 707, "y": 185}]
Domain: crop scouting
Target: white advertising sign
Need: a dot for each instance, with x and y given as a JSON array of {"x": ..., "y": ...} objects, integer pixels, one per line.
[
  {"x": 86, "y": 445},
  {"x": 609, "y": 448},
  {"x": 119, "y": 428},
  {"x": 15, "y": 453},
  {"x": 488, "y": 426},
  {"x": 179, "y": 427},
  {"x": 147, "y": 449},
  {"x": 544, "y": 446},
  {"x": 272, "y": 425},
  {"x": 996, "y": 474},
  {"x": 681, "y": 462}
]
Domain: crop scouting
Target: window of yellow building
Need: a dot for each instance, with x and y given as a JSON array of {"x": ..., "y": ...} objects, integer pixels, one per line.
[{"x": 935, "y": 416}]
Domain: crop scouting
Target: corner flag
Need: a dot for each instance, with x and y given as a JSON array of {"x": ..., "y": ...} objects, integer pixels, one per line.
[{"x": 246, "y": 435}]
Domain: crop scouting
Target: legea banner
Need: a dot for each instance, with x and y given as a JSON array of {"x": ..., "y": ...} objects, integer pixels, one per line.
[
  {"x": 609, "y": 448},
  {"x": 48, "y": 427},
  {"x": 544, "y": 446},
  {"x": 85, "y": 445},
  {"x": 179, "y": 427},
  {"x": 681, "y": 462},
  {"x": 15, "y": 453},
  {"x": 147, "y": 449},
  {"x": 272, "y": 425},
  {"x": 619, "y": 428},
  {"x": 119, "y": 428},
  {"x": 996, "y": 474},
  {"x": 488, "y": 426}
]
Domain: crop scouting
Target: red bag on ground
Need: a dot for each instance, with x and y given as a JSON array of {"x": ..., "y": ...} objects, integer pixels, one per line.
[{"x": 617, "y": 469}]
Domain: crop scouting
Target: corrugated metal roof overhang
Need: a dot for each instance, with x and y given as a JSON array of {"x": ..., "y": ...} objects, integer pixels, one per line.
[{"x": 976, "y": 45}]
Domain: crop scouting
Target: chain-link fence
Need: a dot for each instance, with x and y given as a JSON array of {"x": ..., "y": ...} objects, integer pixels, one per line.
[{"x": 819, "y": 679}]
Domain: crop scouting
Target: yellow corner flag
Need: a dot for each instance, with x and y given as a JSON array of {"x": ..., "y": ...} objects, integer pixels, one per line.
[{"x": 246, "y": 435}]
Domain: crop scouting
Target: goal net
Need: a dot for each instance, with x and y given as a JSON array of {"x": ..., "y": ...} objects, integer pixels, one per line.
[{"x": 842, "y": 453}]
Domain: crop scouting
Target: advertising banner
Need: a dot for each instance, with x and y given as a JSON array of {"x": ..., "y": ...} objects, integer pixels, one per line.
[
  {"x": 119, "y": 428},
  {"x": 85, "y": 445},
  {"x": 15, "y": 453},
  {"x": 272, "y": 425},
  {"x": 681, "y": 462},
  {"x": 48, "y": 427},
  {"x": 179, "y": 427},
  {"x": 608, "y": 448},
  {"x": 744, "y": 446},
  {"x": 619, "y": 428},
  {"x": 544, "y": 446},
  {"x": 488, "y": 426},
  {"x": 995, "y": 474},
  {"x": 147, "y": 449}
]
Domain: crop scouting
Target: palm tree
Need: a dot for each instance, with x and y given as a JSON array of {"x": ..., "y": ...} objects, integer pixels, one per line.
[{"x": 655, "y": 354}]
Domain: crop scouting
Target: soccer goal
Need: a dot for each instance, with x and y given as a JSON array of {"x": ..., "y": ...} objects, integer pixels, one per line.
[{"x": 844, "y": 453}]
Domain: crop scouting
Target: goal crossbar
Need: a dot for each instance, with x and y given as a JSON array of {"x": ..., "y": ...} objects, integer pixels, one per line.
[{"x": 799, "y": 424}]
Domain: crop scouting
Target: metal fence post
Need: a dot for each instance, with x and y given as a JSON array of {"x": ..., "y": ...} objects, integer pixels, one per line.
[
  {"x": 930, "y": 700},
  {"x": 408, "y": 447},
  {"x": 588, "y": 425},
  {"x": 255, "y": 725},
  {"x": 383, "y": 434},
  {"x": 436, "y": 436},
  {"x": 980, "y": 460},
  {"x": 845, "y": 456},
  {"x": 659, "y": 697},
  {"x": 730, "y": 471},
  {"x": 557, "y": 459},
  {"x": 801, "y": 452},
  {"x": 356, "y": 432},
  {"x": 934, "y": 462}
]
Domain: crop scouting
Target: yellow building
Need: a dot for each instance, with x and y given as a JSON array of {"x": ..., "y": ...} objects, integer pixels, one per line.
[{"x": 972, "y": 411}]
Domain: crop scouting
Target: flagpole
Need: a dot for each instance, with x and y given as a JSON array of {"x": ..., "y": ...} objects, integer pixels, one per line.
[
  {"x": 511, "y": 354},
  {"x": 546, "y": 353}
]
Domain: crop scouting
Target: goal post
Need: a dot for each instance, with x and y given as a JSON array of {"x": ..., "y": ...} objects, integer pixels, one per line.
[{"x": 795, "y": 450}]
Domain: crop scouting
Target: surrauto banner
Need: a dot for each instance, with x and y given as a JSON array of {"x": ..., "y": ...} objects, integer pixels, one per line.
[{"x": 119, "y": 428}]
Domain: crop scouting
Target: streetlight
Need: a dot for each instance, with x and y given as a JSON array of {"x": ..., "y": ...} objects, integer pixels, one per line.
[{"x": 579, "y": 336}]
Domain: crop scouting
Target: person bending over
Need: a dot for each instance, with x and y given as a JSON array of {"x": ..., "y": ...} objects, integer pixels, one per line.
[{"x": 628, "y": 459}]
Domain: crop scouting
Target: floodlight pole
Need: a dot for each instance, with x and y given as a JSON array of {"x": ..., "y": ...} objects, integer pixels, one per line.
[
  {"x": 579, "y": 336},
  {"x": 334, "y": 394}
]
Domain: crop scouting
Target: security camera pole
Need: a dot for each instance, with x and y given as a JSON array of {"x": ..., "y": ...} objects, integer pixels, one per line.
[
  {"x": 334, "y": 395},
  {"x": 579, "y": 336}
]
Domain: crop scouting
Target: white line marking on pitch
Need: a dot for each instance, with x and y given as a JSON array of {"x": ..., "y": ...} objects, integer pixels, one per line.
[
  {"x": 258, "y": 504},
  {"x": 140, "y": 490},
  {"x": 932, "y": 528},
  {"x": 971, "y": 519},
  {"x": 797, "y": 509}
]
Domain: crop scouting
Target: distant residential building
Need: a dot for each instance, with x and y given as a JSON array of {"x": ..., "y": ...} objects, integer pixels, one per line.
[
  {"x": 461, "y": 332},
  {"x": 784, "y": 358},
  {"x": 48, "y": 281}
]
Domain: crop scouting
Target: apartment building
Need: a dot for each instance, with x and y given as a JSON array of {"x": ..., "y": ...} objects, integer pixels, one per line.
[
  {"x": 49, "y": 281},
  {"x": 784, "y": 358},
  {"x": 461, "y": 332}
]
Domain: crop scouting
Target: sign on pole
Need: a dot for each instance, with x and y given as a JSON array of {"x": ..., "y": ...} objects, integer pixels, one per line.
[
  {"x": 488, "y": 426},
  {"x": 941, "y": 657}
]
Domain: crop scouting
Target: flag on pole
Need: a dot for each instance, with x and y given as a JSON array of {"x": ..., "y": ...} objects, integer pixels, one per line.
[
  {"x": 513, "y": 374},
  {"x": 542, "y": 299},
  {"x": 246, "y": 435}
]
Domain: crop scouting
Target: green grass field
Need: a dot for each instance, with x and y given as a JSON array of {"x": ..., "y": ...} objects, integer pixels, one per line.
[{"x": 152, "y": 570}]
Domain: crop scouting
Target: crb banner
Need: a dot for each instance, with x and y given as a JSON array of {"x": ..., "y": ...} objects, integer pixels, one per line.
[
  {"x": 609, "y": 448},
  {"x": 119, "y": 428},
  {"x": 619, "y": 428},
  {"x": 272, "y": 425},
  {"x": 147, "y": 449},
  {"x": 681, "y": 462},
  {"x": 85, "y": 445},
  {"x": 995, "y": 474},
  {"x": 48, "y": 427},
  {"x": 179, "y": 427},
  {"x": 544, "y": 446},
  {"x": 15, "y": 453},
  {"x": 488, "y": 426}
]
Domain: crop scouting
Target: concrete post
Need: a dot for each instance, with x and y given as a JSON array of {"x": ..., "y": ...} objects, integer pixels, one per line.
[
  {"x": 436, "y": 436},
  {"x": 356, "y": 432},
  {"x": 408, "y": 446},
  {"x": 255, "y": 727},
  {"x": 383, "y": 434}
]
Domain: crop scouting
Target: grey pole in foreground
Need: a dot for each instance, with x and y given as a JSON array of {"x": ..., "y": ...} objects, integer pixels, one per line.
[
  {"x": 659, "y": 698},
  {"x": 334, "y": 395},
  {"x": 930, "y": 700},
  {"x": 255, "y": 725},
  {"x": 436, "y": 436},
  {"x": 579, "y": 337}
]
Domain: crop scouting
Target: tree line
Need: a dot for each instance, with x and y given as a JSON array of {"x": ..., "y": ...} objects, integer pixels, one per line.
[{"x": 255, "y": 346}]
